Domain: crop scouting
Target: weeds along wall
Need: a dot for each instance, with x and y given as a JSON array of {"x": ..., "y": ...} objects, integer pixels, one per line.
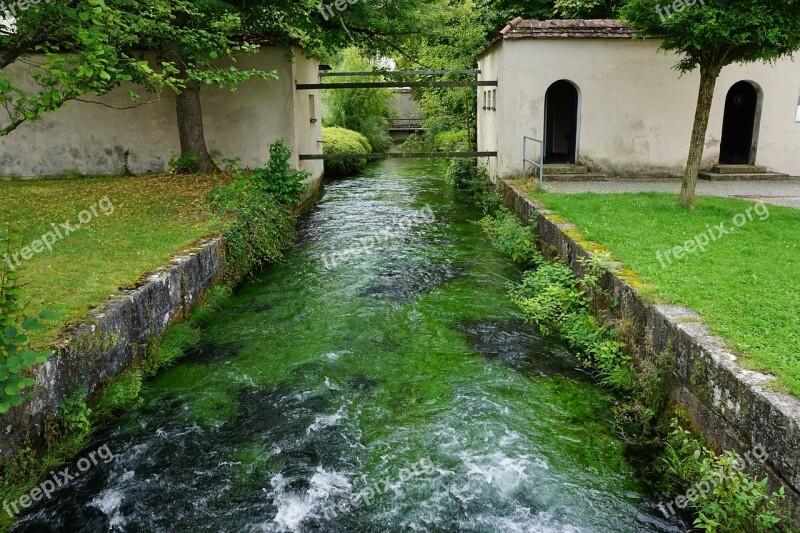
[{"x": 721, "y": 490}]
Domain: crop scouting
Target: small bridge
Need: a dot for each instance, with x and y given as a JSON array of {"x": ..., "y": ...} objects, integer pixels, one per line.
[{"x": 405, "y": 125}]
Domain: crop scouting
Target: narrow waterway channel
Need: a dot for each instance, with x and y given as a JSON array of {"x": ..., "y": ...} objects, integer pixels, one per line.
[{"x": 392, "y": 390}]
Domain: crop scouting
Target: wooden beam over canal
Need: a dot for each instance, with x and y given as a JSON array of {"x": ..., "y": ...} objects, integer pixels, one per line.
[
  {"x": 394, "y": 84},
  {"x": 399, "y": 155}
]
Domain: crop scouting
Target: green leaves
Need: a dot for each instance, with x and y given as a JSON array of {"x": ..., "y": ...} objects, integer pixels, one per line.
[
  {"x": 509, "y": 236},
  {"x": 88, "y": 47},
  {"x": 721, "y": 32},
  {"x": 363, "y": 110},
  {"x": 259, "y": 225},
  {"x": 16, "y": 358}
]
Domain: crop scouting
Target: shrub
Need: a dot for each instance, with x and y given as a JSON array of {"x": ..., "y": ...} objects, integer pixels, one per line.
[
  {"x": 185, "y": 164},
  {"x": 277, "y": 178},
  {"x": 258, "y": 218},
  {"x": 512, "y": 238},
  {"x": 470, "y": 178},
  {"x": 256, "y": 229},
  {"x": 343, "y": 141},
  {"x": 733, "y": 501},
  {"x": 450, "y": 140}
]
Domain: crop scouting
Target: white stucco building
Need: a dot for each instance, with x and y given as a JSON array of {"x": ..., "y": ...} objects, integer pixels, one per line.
[
  {"x": 601, "y": 99},
  {"x": 95, "y": 139}
]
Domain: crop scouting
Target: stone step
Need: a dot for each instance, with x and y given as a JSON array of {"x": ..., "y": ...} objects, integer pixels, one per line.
[
  {"x": 565, "y": 169},
  {"x": 575, "y": 177},
  {"x": 739, "y": 169},
  {"x": 761, "y": 176}
]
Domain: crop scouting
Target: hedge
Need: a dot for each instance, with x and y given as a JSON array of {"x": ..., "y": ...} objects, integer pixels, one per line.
[{"x": 344, "y": 141}]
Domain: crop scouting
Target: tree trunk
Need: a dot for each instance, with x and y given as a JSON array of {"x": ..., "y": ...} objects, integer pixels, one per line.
[
  {"x": 190, "y": 126},
  {"x": 708, "y": 81},
  {"x": 190, "y": 115}
]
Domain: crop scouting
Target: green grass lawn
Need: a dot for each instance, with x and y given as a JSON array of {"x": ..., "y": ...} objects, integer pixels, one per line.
[
  {"x": 153, "y": 218},
  {"x": 745, "y": 285}
]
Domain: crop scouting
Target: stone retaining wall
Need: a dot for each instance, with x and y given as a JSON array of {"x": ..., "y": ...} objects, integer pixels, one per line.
[
  {"x": 733, "y": 407},
  {"x": 110, "y": 339}
]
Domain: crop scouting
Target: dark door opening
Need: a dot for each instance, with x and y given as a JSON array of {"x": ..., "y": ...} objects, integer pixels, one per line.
[
  {"x": 738, "y": 126},
  {"x": 561, "y": 123}
]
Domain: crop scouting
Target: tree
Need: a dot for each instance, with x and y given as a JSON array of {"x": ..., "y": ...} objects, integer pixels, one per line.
[
  {"x": 588, "y": 9},
  {"x": 710, "y": 36},
  {"x": 495, "y": 14},
  {"x": 202, "y": 40},
  {"x": 80, "y": 47},
  {"x": 461, "y": 33},
  {"x": 89, "y": 47}
]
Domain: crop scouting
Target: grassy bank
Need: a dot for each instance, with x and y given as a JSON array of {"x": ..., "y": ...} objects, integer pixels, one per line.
[
  {"x": 743, "y": 283},
  {"x": 141, "y": 224}
]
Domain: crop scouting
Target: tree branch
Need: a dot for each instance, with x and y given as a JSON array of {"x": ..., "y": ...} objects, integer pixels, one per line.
[{"x": 140, "y": 104}]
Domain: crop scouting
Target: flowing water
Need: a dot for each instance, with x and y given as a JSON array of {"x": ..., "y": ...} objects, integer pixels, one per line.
[{"x": 393, "y": 389}]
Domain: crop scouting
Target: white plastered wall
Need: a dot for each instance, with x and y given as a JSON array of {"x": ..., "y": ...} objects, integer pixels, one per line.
[
  {"x": 93, "y": 139},
  {"x": 636, "y": 111}
]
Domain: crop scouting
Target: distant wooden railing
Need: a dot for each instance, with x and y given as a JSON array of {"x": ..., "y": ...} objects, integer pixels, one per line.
[{"x": 405, "y": 124}]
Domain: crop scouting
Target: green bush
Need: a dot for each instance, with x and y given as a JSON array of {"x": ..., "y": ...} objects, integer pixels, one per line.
[
  {"x": 453, "y": 140},
  {"x": 277, "y": 179},
  {"x": 343, "y": 141},
  {"x": 258, "y": 218},
  {"x": 724, "y": 497},
  {"x": 556, "y": 302},
  {"x": 512, "y": 238},
  {"x": 185, "y": 164},
  {"x": 468, "y": 177}
]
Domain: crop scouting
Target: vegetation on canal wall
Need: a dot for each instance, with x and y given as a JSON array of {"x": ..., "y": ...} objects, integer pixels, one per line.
[
  {"x": 258, "y": 212},
  {"x": 573, "y": 308}
]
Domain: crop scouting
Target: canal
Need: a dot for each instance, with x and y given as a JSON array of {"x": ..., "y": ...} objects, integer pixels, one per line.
[{"x": 377, "y": 379}]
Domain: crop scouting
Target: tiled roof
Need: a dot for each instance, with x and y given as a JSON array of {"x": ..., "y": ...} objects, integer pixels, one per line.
[{"x": 567, "y": 29}]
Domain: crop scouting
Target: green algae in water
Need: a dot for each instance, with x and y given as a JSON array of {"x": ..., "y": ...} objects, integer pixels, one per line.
[{"x": 318, "y": 381}]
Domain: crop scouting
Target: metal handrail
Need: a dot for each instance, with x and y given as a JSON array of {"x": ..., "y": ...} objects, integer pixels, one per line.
[{"x": 538, "y": 164}]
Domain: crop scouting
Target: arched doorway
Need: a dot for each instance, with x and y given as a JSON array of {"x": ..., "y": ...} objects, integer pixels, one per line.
[
  {"x": 739, "y": 127},
  {"x": 561, "y": 123}
]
